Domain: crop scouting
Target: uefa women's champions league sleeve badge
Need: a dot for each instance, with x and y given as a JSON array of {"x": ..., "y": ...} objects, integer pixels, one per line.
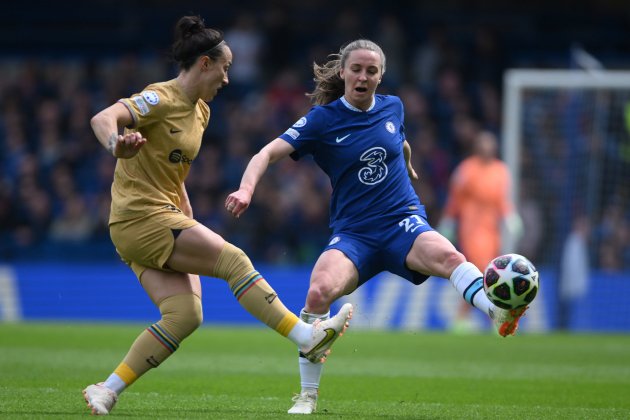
[{"x": 151, "y": 97}]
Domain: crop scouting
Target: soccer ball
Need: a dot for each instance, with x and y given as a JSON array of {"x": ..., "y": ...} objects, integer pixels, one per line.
[{"x": 510, "y": 281}]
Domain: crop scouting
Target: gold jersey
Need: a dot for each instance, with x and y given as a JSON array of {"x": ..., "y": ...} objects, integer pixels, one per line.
[{"x": 151, "y": 182}]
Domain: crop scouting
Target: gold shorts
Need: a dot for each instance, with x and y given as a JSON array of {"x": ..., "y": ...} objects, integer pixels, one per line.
[{"x": 148, "y": 242}]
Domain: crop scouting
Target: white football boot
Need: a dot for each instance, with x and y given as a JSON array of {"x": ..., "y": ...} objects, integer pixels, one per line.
[
  {"x": 325, "y": 333},
  {"x": 305, "y": 403},
  {"x": 506, "y": 320},
  {"x": 100, "y": 399}
]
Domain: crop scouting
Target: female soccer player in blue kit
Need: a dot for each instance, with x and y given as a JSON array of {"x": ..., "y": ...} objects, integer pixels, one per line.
[{"x": 378, "y": 223}]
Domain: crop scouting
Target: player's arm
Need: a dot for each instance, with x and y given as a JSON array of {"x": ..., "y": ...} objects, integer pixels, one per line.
[
  {"x": 106, "y": 126},
  {"x": 407, "y": 154},
  {"x": 237, "y": 202}
]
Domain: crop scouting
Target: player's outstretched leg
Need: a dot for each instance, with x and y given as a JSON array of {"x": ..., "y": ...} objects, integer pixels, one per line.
[
  {"x": 468, "y": 280},
  {"x": 506, "y": 320},
  {"x": 258, "y": 297},
  {"x": 100, "y": 399}
]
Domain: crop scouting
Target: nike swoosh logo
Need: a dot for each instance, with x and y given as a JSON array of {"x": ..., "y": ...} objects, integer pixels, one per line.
[
  {"x": 339, "y": 140},
  {"x": 174, "y": 130},
  {"x": 330, "y": 335}
]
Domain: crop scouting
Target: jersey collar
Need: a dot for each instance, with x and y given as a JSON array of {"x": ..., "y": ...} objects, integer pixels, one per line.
[{"x": 354, "y": 108}]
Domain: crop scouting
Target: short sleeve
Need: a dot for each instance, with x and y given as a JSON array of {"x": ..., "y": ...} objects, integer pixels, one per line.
[
  {"x": 305, "y": 134},
  {"x": 147, "y": 106}
]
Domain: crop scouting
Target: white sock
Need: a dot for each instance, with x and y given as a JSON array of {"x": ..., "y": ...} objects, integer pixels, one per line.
[
  {"x": 115, "y": 383},
  {"x": 468, "y": 280},
  {"x": 310, "y": 373},
  {"x": 301, "y": 333}
]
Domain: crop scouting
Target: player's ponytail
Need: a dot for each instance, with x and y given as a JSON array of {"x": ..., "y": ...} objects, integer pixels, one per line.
[
  {"x": 193, "y": 39},
  {"x": 328, "y": 83}
]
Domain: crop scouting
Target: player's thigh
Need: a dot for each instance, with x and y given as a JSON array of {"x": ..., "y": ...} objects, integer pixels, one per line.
[
  {"x": 434, "y": 255},
  {"x": 162, "y": 284},
  {"x": 196, "y": 250},
  {"x": 335, "y": 272}
]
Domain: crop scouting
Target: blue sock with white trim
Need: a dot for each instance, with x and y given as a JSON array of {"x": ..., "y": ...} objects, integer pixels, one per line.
[{"x": 468, "y": 280}]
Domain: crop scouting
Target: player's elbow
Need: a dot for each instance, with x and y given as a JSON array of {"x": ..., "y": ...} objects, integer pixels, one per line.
[{"x": 97, "y": 120}]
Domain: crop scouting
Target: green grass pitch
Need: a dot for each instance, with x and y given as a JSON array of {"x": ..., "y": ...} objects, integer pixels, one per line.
[{"x": 223, "y": 373}]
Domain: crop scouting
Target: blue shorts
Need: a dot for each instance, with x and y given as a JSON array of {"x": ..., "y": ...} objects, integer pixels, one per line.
[{"x": 384, "y": 248}]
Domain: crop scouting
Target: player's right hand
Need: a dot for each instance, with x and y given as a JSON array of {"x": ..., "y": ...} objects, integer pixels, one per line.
[
  {"x": 237, "y": 202},
  {"x": 128, "y": 145}
]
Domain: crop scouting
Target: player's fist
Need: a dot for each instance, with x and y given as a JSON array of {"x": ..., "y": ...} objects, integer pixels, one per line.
[
  {"x": 128, "y": 145},
  {"x": 237, "y": 202}
]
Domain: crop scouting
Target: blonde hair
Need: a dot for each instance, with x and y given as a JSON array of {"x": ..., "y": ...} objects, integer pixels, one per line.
[{"x": 328, "y": 83}]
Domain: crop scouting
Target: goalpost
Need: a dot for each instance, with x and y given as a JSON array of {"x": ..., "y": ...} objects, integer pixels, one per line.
[{"x": 566, "y": 140}]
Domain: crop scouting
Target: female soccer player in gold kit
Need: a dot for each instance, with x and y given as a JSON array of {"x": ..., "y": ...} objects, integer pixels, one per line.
[{"x": 151, "y": 220}]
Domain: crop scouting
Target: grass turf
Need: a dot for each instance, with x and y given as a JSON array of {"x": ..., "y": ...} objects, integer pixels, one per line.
[{"x": 224, "y": 373}]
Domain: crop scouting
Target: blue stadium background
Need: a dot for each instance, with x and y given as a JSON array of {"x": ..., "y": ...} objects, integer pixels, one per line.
[{"x": 61, "y": 63}]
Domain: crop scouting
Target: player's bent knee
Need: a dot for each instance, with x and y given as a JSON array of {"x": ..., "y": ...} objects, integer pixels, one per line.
[
  {"x": 452, "y": 259},
  {"x": 233, "y": 264},
  {"x": 181, "y": 314},
  {"x": 321, "y": 294}
]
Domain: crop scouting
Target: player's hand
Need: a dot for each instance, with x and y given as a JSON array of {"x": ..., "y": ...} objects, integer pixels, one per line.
[
  {"x": 128, "y": 145},
  {"x": 237, "y": 202},
  {"x": 412, "y": 172}
]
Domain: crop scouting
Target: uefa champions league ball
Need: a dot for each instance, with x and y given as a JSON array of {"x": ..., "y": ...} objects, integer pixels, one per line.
[{"x": 510, "y": 281}]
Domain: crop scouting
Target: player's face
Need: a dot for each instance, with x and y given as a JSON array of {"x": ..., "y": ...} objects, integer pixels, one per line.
[
  {"x": 216, "y": 75},
  {"x": 361, "y": 75}
]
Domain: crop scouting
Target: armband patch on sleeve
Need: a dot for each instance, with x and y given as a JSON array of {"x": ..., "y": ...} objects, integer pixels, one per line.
[
  {"x": 294, "y": 134},
  {"x": 143, "y": 108}
]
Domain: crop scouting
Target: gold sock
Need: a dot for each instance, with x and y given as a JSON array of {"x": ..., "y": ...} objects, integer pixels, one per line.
[
  {"x": 252, "y": 291},
  {"x": 181, "y": 315}
]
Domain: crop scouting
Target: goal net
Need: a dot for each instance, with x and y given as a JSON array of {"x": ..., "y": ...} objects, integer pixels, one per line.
[{"x": 566, "y": 139}]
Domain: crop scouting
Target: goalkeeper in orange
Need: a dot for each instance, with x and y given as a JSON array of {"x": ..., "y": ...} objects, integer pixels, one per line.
[{"x": 477, "y": 209}]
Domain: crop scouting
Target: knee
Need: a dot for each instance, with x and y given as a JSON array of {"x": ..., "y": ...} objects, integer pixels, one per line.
[
  {"x": 182, "y": 314},
  {"x": 450, "y": 260},
  {"x": 321, "y": 294}
]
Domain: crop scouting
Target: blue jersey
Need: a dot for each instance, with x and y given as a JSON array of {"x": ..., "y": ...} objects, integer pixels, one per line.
[{"x": 362, "y": 154}]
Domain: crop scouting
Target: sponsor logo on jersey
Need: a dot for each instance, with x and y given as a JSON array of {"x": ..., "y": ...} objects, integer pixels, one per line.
[
  {"x": 339, "y": 140},
  {"x": 334, "y": 240},
  {"x": 300, "y": 123},
  {"x": 151, "y": 97},
  {"x": 390, "y": 127},
  {"x": 177, "y": 156},
  {"x": 143, "y": 108},
  {"x": 294, "y": 134},
  {"x": 376, "y": 169}
]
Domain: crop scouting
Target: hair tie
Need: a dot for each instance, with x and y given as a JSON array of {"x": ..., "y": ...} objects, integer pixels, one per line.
[{"x": 205, "y": 52}]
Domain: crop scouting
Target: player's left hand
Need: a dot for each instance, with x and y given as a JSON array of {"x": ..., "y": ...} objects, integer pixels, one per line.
[
  {"x": 128, "y": 145},
  {"x": 237, "y": 202}
]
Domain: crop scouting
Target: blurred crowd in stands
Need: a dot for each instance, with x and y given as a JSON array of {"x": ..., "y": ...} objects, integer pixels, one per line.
[{"x": 55, "y": 177}]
